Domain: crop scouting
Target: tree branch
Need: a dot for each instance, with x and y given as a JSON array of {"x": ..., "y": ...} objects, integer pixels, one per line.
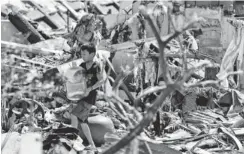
[
  {"x": 120, "y": 115},
  {"x": 189, "y": 72},
  {"x": 147, "y": 92},
  {"x": 123, "y": 86},
  {"x": 128, "y": 107},
  {"x": 145, "y": 121},
  {"x": 162, "y": 45}
]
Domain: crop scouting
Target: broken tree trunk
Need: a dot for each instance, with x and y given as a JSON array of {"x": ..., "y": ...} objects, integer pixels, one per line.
[
  {"x": 19, "y": 21},
  {"x": 18, "y": 48}
]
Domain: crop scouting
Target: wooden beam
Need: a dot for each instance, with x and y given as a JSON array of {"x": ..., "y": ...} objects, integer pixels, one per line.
[
  {"x": 37, "y": 15},
  {"x": 17, "y": 48},
  {"x": 70, "y": 9},
  {"x": 32, "y": 62},
  {"x": 23, "y": 25},
  {"x": 47, "y": 17}
]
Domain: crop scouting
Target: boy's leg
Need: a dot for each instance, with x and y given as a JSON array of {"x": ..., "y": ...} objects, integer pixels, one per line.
[
  {"x": 86, "y": 130},
  {"x": 74, "y": 121},
  {"x": 83, "y": 117}
]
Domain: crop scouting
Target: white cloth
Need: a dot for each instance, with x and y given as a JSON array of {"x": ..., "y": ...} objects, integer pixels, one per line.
[{"x": 234, "y": 51}]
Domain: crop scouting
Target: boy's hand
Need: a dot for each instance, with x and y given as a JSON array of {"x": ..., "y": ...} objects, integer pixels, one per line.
[{"x": 88, "y": 90}]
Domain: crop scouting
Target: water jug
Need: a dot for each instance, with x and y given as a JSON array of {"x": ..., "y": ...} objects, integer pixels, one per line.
[{"x": 75, "y": 83}]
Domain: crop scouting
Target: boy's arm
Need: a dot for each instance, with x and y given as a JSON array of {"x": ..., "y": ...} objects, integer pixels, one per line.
[{"x": 101, "y": 78}]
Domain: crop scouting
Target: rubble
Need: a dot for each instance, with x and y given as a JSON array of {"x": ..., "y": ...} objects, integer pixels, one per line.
[{"x": 200, "y": 119}]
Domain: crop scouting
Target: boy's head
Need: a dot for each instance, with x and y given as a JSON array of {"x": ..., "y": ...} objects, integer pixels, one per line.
[{"x": 88, "y": 51}]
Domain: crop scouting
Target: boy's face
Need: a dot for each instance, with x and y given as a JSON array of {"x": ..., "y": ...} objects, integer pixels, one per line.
[{"x": 86, "y": 56}]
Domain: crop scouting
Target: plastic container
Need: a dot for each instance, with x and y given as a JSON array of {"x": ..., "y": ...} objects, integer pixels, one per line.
[{"x": 75, "y": 83}]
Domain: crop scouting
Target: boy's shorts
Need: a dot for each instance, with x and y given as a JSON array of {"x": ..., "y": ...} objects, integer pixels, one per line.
[{"x": 81, "y": 110}]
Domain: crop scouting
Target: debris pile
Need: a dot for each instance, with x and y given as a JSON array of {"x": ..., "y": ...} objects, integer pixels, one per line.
[{"x": 203, "y": 118}]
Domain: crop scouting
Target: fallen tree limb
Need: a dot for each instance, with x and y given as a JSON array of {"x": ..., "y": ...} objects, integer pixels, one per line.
[{"x": 18, "y": 48}]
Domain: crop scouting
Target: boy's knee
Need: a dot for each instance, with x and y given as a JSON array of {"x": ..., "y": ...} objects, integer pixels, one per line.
[
  {"x": 73, "y": 117},
  {"x": 74, "y": 121}
]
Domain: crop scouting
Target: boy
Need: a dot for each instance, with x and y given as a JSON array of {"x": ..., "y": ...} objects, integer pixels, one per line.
[{"x": 95, "y": 78}]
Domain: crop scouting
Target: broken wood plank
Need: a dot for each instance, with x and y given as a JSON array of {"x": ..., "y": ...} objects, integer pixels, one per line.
[
  {"x": 70, "y": 9},
  {"x": 17, "y": 48},
  {"x": 35, "y": 15},
  {"x": 47, "y": 17},
  {"x": 200, "y": 116},
  {"x": 212, "y": 115},
  {"x": 76, "y": 5},
  {"x": 31, "y": 61},
  {"x": 20, "y": 22}
]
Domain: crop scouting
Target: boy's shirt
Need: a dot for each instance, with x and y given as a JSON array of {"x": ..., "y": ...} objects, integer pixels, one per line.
[{"x": 91, "y": 75}]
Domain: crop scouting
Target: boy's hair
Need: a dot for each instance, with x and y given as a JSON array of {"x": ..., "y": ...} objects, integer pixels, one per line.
[{"x": 89, "y": 47}]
